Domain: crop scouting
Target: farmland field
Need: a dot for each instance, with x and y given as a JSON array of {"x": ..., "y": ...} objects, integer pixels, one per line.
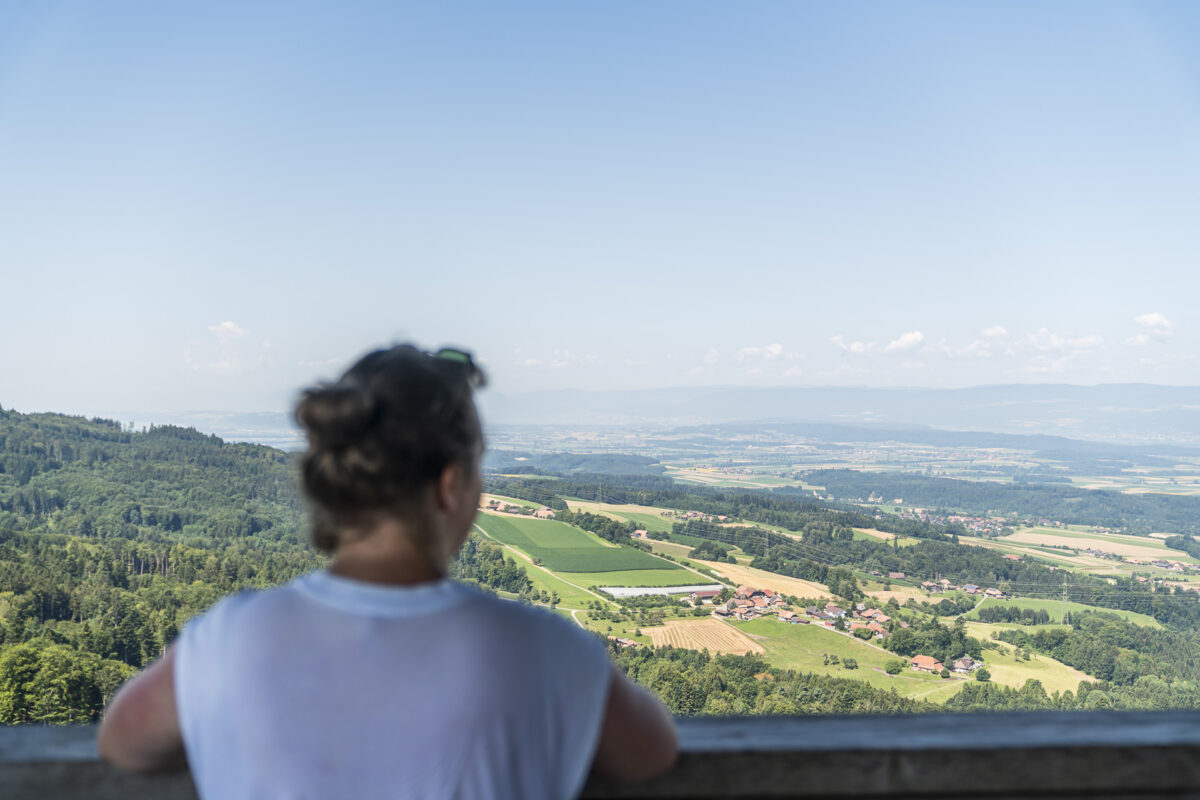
[
  {"x": 703, "y": 634},
  {"x": 571, "y": 596},
  {"x": 804, "y": 647},
  {"x": 1143, "y": 547},
  {"x": 1056, "y": 609},
  {"x": 670, "y": 575},
  {"x": 563, "y": 548},
  {"x": 647, "y": 517},
  {"x": 761, "y": 579},
  {"x": 512, "y": 501}
]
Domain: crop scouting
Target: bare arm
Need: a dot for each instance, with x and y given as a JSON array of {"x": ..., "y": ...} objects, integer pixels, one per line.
[
  {"x": 638, "y": 740},
  {"x": 140, "y": 729}
]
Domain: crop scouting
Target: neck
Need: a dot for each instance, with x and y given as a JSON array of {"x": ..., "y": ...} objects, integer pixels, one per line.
[{"x": 388, "y": 552}]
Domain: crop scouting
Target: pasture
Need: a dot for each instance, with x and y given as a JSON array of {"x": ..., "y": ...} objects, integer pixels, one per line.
[
  {"x": 703, "y": 634},
  {"x": 571, "y": 595},
  {"x": 647, "y": 517},
  {"x": 670, "y": 575},
  {"x": 1006, "y": 669},
  {"x": 1057, "y": 608},
  {"x": 564, "y": 548},
  {"x": 709, "y": 477},
  {"x": 804, "y": 647}
]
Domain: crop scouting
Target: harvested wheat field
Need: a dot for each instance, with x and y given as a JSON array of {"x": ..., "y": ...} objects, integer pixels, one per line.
[
  {"x": 761, "y": 579},
  {"x": 703, "y": 634},
  {"x": 901, "y": 596},
  {"x": 1126, "y": 546},
  {"x": 887, "y": 537}
]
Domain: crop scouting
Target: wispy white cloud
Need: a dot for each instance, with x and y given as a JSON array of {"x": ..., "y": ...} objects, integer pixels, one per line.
[
  {"x": 994, "y": 332},
  {"x": 857, "y": 348},
  {"x": 227, "y": 330},
  {"x": 231, "y": 350},
  {"x": 711, "y": 356},
  {"x": 770, "y": 352},
  {"x": 1155, "y": 328},
  {"x": 905, "y": 341},
  {"x": 1054, "y": 351},
  {"x": 1046, "y": 341}
]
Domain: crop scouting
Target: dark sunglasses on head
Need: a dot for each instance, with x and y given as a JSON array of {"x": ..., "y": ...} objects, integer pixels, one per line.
[{"x": 475, "y": 375}]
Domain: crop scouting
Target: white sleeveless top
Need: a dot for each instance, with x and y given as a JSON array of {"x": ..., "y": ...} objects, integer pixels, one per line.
[{"x": 334, "y": 688}]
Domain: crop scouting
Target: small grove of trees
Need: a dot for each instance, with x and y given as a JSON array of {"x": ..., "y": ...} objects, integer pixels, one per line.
[{"x": 1023, "y": 616}]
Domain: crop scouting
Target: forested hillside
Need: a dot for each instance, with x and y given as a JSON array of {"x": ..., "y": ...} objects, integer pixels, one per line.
[{"x": 111, "y": 539}]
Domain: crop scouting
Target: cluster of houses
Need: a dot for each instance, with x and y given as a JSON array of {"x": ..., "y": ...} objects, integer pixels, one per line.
[
  {"x": 859, "y": 618},
  {"x": 979, "y": 526},
  {"x": 696, "y": 515},
  {"x": 621, "y": 640},
  {"x": 493, "y": 504},
  {"x": 934, "y": 587},
  {"x": 750, "y": 603},
  {"x": 963, "y": 666},
  {"x": 1174, "y": 566}
]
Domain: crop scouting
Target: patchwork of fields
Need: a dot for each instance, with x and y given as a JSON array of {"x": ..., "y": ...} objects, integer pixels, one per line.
[
  {"x": 564, "y": 548},
  {"x": 573, "y": 560}
]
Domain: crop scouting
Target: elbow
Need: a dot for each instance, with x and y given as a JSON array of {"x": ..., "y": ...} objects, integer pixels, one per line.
[
  {"x": 118, "y": 742},
  {"x": 109, "y": 745},
  {"x": 650, "y": 755},
  {"x": 660, "y": 758}
]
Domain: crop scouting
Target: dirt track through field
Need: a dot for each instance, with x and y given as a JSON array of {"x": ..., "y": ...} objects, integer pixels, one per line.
[{"x": 703, "y": 634}]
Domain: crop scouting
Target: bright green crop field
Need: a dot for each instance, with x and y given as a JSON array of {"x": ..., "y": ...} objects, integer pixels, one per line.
[{"x": 565, "y": 548}]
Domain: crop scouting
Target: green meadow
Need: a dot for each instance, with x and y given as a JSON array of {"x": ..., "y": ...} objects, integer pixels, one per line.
[
  {"x": 1056, "y": 609},
  {"x": 670, "y": 575},
  {"x": 565, "y": 548},
  {"x": 804, "y": 647}
]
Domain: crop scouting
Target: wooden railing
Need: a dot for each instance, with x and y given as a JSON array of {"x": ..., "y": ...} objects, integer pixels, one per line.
[{"x": 1005, "y": 755}]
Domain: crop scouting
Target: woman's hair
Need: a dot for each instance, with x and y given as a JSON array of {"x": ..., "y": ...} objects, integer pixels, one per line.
[{"x": 384, "y": 432}]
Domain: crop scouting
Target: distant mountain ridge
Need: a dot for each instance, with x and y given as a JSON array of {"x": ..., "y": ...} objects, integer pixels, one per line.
[
  {"x": 1127, "y": 414},
  {"x": 1118, "y": 413}
]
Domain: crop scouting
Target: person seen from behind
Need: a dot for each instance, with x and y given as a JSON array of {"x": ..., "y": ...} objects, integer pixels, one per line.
[{"x": 379, "y": 676}]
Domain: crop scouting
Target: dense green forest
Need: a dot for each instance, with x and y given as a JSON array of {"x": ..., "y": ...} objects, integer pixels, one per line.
[
  {"x": 1136, "y": 513},
  {"x": 111, "y": 539}
]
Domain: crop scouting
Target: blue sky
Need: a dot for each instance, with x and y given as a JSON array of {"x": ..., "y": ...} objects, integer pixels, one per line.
[{"x": 207, "y": 206}]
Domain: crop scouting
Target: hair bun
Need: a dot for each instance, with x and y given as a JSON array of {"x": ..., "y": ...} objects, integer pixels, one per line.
[{"x": 337, "y": 415}]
